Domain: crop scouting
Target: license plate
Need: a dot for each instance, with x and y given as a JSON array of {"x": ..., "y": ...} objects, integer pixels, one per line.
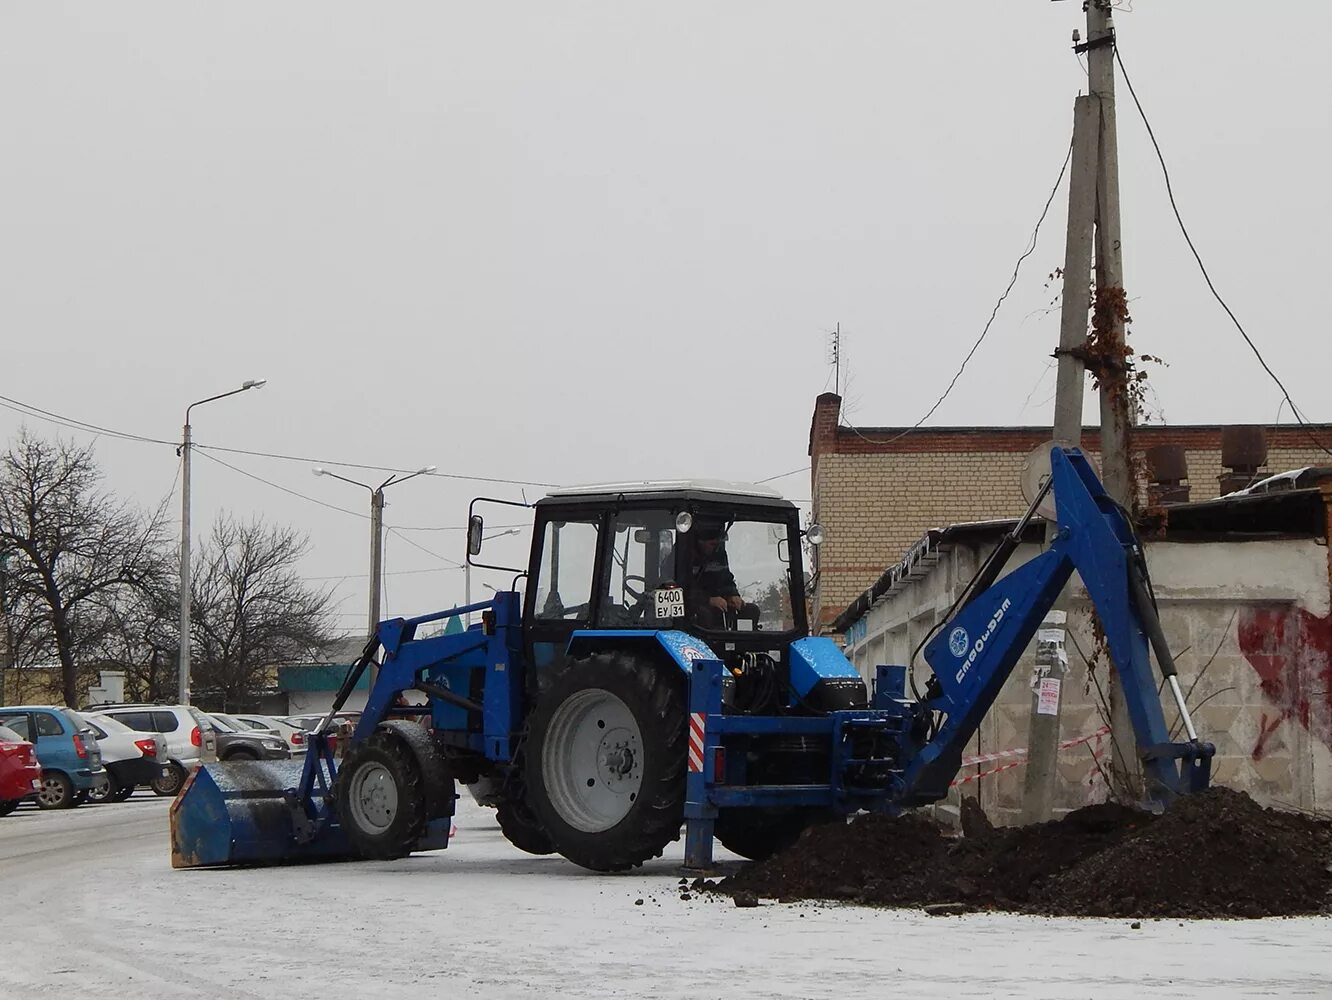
[{"x": 668, "y": 602}]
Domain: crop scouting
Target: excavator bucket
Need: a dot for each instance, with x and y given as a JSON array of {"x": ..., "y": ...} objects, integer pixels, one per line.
[{"x": 249, "y": 813}]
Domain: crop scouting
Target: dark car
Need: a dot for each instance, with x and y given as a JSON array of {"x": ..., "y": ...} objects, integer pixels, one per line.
[
  {"x": 20, "y": 774},
  {"x": 233, "y": 744}
]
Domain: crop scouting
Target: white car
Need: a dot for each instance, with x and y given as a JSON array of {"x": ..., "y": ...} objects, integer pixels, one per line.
[
  {"x": 279, "y": 727},
  {"x": 189, "y": 742},
  {"x": 131, "y": 758}
]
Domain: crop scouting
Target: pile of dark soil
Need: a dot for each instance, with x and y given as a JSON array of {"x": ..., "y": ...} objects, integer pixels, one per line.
[{"x": 1216, "y": 854}]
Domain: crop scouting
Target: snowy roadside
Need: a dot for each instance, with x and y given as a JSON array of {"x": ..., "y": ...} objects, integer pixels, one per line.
[{"x": 92, "y": 904}]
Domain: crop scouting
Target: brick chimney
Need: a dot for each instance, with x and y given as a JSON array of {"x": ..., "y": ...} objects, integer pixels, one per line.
[
  {"x": 1167, "y": 468},
  {"x": 1243, "y": 453},
  {"x": 823, "y": 427}
]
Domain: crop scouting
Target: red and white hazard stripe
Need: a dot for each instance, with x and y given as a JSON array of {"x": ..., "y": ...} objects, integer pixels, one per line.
[
  {"x": 696, "y": 740},
  {"x": 1021, "y": 752}
]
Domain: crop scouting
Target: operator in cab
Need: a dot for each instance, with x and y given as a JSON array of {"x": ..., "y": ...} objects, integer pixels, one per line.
[{"x": 713, "y": 595}]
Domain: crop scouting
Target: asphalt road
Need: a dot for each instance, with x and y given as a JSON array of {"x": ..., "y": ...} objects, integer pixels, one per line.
[{"x": 90, "y": 906}]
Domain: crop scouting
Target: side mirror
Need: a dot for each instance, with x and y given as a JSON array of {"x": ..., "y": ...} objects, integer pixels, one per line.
[
  {"x": 475, "y": 526},
  {"x": 814, "y": 534}
]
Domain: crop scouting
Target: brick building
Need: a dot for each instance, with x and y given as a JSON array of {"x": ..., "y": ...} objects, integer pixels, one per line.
[{"x": 878, "y": 490}]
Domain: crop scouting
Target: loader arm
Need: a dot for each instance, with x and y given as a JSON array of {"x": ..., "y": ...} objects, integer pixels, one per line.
[{"x": 973, "y": 653}]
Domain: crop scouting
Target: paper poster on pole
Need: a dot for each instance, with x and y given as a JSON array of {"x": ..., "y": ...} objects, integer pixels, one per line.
[{"x": 1047, "y": 700}]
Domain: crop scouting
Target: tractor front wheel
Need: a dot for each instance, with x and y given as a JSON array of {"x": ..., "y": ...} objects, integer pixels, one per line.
[
  {"x": 521, "y": 828},
  {"x": 380, "y": 797},
  {"x": 605, "y": 767}
]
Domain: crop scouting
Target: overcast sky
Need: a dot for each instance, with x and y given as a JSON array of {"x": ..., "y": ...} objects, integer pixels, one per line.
[{"x": 564, "y": 242}]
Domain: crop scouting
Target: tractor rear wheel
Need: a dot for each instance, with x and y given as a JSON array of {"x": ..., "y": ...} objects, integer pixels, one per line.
[
  {"x": 605, "y": 769},
  {"x": 381, "y": 797}
]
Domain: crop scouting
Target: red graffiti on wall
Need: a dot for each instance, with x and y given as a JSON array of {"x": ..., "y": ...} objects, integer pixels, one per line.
[{"x": 1292, "y": 652}]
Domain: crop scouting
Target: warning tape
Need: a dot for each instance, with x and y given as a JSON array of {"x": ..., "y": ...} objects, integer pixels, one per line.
[{"x": 1020, "y": 752}]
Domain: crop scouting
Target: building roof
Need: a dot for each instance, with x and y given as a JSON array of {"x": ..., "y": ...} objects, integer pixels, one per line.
[{"x": 1288, "y": 513}]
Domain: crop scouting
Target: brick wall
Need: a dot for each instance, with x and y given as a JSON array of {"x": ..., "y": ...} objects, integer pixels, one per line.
[{"x": 877, "y": 490}]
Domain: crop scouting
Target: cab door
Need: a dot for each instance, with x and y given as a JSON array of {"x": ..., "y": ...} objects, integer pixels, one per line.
[{"x": 562, "y": 591}]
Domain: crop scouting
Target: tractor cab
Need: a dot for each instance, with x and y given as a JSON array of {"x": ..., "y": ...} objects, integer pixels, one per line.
[{"x": 718, "y": 560}]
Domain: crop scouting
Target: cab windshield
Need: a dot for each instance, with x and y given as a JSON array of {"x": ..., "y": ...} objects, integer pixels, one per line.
[{"x": 725, "y": 575}]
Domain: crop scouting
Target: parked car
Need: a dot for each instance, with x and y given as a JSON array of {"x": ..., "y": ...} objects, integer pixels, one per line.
[
  {"x": 66, "y": 750},
  {"x": 246, "y": 744},
  {"x": 131, "y": 758},
  {"x": 188, "y": 739},
  {"x": 307, "y": 723},
  {"x": 293, "y": 735},
  {"x": 20, "y": 774}
]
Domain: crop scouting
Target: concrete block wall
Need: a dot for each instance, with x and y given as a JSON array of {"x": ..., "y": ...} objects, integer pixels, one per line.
[{"x": 1250, "y": 624}]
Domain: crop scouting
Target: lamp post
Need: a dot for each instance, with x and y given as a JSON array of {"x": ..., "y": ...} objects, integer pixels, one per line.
[
  {"x": 183, "y": 671},
  {"x": 467, "y": 573},
  {"x": 376, "y": 536}
]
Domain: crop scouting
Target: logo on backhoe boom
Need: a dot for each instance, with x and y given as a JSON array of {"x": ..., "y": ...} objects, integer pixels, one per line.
[{"x": 953, "y": 638}]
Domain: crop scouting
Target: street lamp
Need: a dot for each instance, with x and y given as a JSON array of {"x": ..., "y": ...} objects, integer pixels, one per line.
[
  {"x": 467, "y": 572},
  {"x": 376, "y": 536},
  {"x": 183, "y": 672}
]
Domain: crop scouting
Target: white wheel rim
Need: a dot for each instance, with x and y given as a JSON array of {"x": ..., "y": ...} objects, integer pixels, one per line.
[
  {"x": 373, "y": 797},
  {"x": 592, "y": 761},
  {"x": 53, "y": 791}
]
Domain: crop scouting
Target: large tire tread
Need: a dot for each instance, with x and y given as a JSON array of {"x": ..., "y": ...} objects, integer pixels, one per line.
[
  {"x": 409, "y": 825},
  {"x": 655, "y": 695}
]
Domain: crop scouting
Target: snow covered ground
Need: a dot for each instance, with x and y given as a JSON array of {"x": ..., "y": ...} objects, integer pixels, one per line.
[{"x": 90, "y": 906}]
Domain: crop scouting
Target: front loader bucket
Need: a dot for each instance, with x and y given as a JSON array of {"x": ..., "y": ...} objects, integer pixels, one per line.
[{"x": 248, "y": 813}]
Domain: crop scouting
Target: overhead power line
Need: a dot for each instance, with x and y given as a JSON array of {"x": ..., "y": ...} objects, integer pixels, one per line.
[
  {"x": 1170, "y": 193},
  {"x": 783, "y": 475},
  {"x": 374, "y": 468},
  {"x": 1017, "y": 267},
  {"x": 290, "y": 492},
  {"x": 28, "y": 409}
]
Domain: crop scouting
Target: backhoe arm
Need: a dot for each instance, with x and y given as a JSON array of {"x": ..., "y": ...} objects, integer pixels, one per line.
[{"x": 973, "y": 654}]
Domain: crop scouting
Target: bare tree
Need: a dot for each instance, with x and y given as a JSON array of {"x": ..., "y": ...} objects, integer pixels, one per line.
[
  {"x": 250, "y": 609},
  {"x": 77, "y": 552},
  {"x": 143, "y": 640}
]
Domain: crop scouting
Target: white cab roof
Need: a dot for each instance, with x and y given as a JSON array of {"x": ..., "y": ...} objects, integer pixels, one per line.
[{"x": 648, "y": 486}]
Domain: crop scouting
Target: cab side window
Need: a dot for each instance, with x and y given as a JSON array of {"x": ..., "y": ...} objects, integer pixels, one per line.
[{"x": 568, "y": 560}]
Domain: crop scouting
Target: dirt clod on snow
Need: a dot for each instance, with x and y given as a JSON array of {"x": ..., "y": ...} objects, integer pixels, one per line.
[{"x": 1215, "y": 854}]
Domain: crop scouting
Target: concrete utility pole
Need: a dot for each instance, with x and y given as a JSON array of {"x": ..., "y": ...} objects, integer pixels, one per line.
[
  {"x": 1043, "y": 727},
  {"x": 7, "y": 661},
  {"x": 376, "y": 541},
  {"x": 186, "y": 444},
  {"x": 376, "y": 561},
  {"x": 1093, "y": 221},
  {"x": 1117, "y": 417}
]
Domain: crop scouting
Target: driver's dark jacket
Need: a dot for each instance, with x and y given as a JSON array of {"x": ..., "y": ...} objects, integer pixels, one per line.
[{"x": 710, "y": 576}]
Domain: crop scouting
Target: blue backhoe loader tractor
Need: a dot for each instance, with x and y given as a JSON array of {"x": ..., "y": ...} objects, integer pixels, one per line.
[{"x": 652, "y": 667}]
